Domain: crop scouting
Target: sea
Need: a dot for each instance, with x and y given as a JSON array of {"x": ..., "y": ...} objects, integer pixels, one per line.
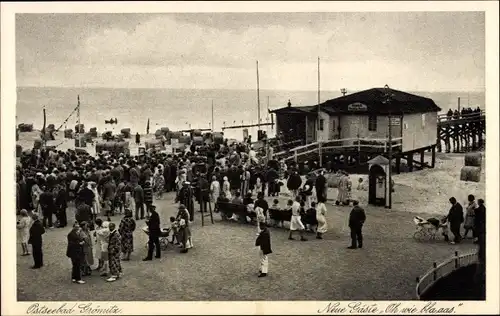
[{"x": 180, "y": 109}]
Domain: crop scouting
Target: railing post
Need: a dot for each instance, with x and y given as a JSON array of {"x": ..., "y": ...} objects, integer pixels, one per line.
[
  {"x": 418, "y": 287},
  {"x": 457, "y": 260},
  {"x": 434, "y": 271},
  {"x": 385, "y": 144},
  {"x": 295, "y": 155},
  {"x": 359, "y": 144}
]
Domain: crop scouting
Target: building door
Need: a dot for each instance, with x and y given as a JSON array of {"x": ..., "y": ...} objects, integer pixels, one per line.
[{"x": 311, "y": 130}]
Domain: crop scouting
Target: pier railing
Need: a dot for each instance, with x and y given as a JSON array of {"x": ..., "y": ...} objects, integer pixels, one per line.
[
  {"x": 439, "y": 271},
  {"x": 469, "y": 117},
  {"x": 358, "y": 144}
]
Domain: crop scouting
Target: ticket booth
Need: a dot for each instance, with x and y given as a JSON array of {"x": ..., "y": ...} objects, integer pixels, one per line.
[{"x": 377, "y": 181}]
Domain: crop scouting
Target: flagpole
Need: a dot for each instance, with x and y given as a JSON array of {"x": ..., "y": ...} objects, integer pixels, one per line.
[
  {"x": 258, "y": 98},
  {"x": 44, "y": 137},
  {"x": 319, "y": 118},
  {"x": 78, "y": 122},
  {"x": 213, "y": 116}
]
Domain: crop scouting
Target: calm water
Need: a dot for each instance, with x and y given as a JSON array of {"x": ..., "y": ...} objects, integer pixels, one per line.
[{"x": 176, "y": 109}]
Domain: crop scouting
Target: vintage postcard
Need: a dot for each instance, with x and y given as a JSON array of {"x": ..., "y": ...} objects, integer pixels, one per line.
[{"x": 249, "y": 158}]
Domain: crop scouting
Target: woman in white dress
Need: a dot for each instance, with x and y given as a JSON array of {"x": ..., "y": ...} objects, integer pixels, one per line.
[
  {"x": 295, "y": 222},
  {"x": 96, "y": 205},
  {"x": 321, "y": 218},
  {"x": 23, "y": 226},
  {"x": 226, "y": 189},
  {"x": 102, "y": 240},
  {"x": 35, "y": 196},
  {"x": 258, "y": 185},
  {"x": 129, "y": 202},
  {"x": 214, "y": 189}
]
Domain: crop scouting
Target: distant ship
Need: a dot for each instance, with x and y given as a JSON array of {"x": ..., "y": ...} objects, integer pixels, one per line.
[{"x": 112, "y": 121}]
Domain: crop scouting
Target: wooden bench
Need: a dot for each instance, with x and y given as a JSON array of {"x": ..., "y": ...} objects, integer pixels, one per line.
[
  {"x": 280, "y": 215},
  {"x": 227, "y": 210}
]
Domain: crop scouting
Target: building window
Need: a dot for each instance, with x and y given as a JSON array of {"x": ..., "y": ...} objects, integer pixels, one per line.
[
  {"x": 372, "y": 123},
  {"x": 321, "y": 124}
]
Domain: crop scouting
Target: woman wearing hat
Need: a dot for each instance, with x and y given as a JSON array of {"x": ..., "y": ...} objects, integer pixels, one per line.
[
  {"x": 226, "y": 188},
  {"x": 126, "y": 230},
  {"x": 74, "y": 251},
  {"x": 23, "y": 226},
  {"x": 184, "y": 233},
  {"x": 114, "y": 252}
]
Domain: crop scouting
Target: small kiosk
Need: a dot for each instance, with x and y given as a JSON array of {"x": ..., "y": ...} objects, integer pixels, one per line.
[{"x": 377, "y": 181}]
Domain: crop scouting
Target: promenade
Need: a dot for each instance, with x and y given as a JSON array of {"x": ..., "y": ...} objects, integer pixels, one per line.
[{"x": 223, "y": 264}]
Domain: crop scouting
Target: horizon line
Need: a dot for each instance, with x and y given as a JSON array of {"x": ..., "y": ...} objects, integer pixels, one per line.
[{"x": 243, "y": 89}]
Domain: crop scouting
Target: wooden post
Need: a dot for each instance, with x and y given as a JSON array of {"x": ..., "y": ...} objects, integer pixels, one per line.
[
  {"x": 307, "y": 130},
  {"x": 434, "y": 265},
  {"x": 295, "y": 155},
  {"x": 410, "y": 161},
  {"x": 398, "y": 164},
  {"x": 422, "y": 158},
  {"x": 433, "y": 161}
]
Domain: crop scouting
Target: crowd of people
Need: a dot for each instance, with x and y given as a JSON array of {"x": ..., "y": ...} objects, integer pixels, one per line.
[
  {"x": 109, "y": 184},
  {"x": 473, "y": 220},
  {"x": 455, "y": 115}
]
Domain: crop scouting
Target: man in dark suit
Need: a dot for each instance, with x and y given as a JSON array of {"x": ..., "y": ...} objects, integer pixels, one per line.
[
  {"x": 356, "y": 220},
  {"x": 455, "y": 218},
  {"x": 264, "y": 242},
  {"x": 320, "y": 185},
  {"x": 48, "y": 207},
  {"x": 35, "y": 239},
  {"x": 154, "y": 234}
]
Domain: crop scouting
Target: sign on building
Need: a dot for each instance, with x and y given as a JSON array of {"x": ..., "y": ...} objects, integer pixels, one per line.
[
  {"x": 168, "y": 149},
  {"x": 357, "y": 106},
  {"x": 174, "y": 142},
  {"x": 395, "y": 121}
]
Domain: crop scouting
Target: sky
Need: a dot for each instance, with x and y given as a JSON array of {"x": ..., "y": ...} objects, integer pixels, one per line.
[{"x": 413, "y": 51}]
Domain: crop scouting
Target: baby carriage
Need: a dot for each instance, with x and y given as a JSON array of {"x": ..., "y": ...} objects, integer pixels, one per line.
[
  {"x": 429, "y": 229},
  {"x": 164, "y": 240}
]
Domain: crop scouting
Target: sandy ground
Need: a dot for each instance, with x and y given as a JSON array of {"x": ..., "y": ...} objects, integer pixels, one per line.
[{"x": 223, "y": 264}]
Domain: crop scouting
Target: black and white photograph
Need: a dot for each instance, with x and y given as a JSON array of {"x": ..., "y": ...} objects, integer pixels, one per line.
[{"x": 224, "y": 155}]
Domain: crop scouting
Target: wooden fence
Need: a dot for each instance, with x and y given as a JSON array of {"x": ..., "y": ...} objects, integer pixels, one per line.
[
  {"x": 439, "y": 271},
  {"x": 358, "y": 144}
]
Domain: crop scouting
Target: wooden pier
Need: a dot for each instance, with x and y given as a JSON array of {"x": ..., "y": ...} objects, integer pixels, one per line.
[{"x": 463, "y": 134}]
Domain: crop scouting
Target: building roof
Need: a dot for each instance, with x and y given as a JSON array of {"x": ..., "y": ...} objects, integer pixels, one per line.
[
  {"x": 371, "y": 101},
  {"x": 374, "y": 101},
  {"x": 379, "y": 160},
  {"x": 296, "y": 110}
]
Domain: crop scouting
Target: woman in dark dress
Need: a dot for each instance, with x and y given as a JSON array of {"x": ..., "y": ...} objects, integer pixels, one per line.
[
  {"x": 75, "y": 253},
  {"x": 184, "y": 233},
  {"x": 114, "y": 250},
  {"x": 126, "y": 230}
]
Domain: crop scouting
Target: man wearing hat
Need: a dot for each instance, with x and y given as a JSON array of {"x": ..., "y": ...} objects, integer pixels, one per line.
[
  {"x": 186, "y": 198},
  {"x": 154, "y": 234}
]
